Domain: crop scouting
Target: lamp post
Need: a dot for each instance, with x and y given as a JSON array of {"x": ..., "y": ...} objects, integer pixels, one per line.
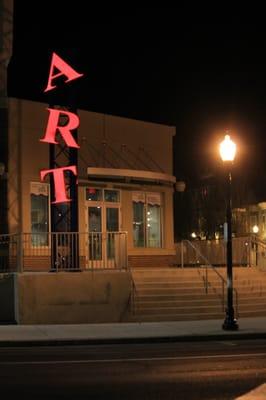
[
  {"x": 227, "y": 152},
  {"x": 179, "y": 209}
]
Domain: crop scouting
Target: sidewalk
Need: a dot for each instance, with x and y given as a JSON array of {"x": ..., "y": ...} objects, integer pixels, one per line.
[{"x": 21, "y": 335}]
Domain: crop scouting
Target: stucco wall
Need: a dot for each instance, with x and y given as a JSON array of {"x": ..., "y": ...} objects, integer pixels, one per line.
[
  {"x": 28, "y": 122},
  {"x": 107, "y": 133},
  {"x": 69, "y": 298}
]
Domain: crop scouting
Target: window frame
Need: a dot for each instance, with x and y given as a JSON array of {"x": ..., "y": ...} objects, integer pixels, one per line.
[
  {"x": 146, "y": 194},
  {"x": 47, "y": 185}
]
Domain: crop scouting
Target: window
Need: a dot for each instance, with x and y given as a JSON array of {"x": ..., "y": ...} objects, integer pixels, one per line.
[
  {"x": 111, "y": 195},
  {"x": 153, "y": 210},
  {"x": 107, "y": 195},
  {"x": 263, "y": 222},
  {"x": 146, "y": 219},
  {"x": 39, "y": 194},
  {"x": 253, "y": 220},
  {"x": 93, "y": 194},
  {"x": 138, "y": 220}
]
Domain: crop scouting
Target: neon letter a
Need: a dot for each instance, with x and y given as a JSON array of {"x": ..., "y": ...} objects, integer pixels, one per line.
[{"x": 63, "y": 68}]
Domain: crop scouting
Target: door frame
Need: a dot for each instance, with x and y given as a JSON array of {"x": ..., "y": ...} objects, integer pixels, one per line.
[{"x": 104, "y": 261}]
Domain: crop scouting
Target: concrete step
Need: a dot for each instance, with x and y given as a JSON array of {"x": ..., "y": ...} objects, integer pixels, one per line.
[
  {"x": 251, "y": 313},
  {"x": 166, "y": 281},
  {"x": 253, "y": 307},
  {"x": 182, "y": 309},
  {"x": 176, "y": 297},
  {"x": 179, "y": 294},
  {"x": 164, "y": 290},
  {"x": 169, "y": 291},
  {"x": 177, "y": 303},
  {"x": 173, "y": 285},
  {"x": 164, "y": 271},
  {"x": 145, "y": 309},
  {"x": 243, "y": 289},
  {"x": 163, "y": 275},
  {"x": 199, "y": 279},
  {"x": 165, "y": 301},
  {"x": 199, "y": 286},
  {"x": 176, "y": 317}
]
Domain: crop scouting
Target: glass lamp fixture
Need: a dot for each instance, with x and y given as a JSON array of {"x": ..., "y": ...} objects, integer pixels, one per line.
[{"x": 227, "y": 149}]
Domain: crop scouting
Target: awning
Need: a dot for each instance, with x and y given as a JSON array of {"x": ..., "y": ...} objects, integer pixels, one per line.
[{"x": 131, "y": 175}]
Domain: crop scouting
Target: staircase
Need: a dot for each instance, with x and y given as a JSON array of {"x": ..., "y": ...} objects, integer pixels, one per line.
[
  {"x": 176, "y": 294},
  {"x": 250, "y": 284}
]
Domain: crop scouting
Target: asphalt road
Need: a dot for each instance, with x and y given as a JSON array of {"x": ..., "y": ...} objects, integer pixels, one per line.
[{"x": 194, "y": 371}]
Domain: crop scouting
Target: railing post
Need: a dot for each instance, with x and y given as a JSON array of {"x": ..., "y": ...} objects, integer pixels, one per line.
[
  {"x": 20, "y": 258},
  {"x": 55, "y": 249},
  {"x": 126, "y": 255},
  {"x": 223, "y": 302},
  {"x": 182, "y": 253},
  {"x": 206, "y": 279},
  {"x": 249, "y": 251}
]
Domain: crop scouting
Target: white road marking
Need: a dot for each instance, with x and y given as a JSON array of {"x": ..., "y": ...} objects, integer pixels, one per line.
[{"x": 133, "y": 360}]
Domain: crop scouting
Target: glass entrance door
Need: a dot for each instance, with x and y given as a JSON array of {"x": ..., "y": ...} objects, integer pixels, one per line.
[
  {"x": 103, "y": 222},
  {"x": 112, "y": 226},
  {"x": 95, "y": 233}
]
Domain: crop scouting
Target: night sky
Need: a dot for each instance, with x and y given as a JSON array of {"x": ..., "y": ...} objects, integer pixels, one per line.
[{"x": 202, "y": 75}]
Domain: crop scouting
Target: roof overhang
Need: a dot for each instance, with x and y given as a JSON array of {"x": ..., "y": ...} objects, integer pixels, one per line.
[{"x": 131, "y": 175}]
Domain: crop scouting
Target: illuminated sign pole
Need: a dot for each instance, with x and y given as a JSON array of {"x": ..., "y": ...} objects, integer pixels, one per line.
[
  {"x": 54, "y": 127},
  {"x": 63, "y": 147}
]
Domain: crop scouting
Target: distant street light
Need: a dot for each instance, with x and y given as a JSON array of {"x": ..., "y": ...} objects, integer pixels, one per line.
[
  {"x": 228, "y": 152},
  {"x": 255, "y": 229}
]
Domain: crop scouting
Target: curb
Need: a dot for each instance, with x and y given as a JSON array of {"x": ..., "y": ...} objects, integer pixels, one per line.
[{"x": 133, "y": 340}]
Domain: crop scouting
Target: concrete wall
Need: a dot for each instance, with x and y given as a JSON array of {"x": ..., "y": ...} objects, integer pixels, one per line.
[
  {"x": 69, "y": 298},
  {"x": 7, "y": 298}
]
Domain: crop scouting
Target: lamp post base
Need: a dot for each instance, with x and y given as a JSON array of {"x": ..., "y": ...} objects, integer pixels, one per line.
[{"x": 230, "y": 323}]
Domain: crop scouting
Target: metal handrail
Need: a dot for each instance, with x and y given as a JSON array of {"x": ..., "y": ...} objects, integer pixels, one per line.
[
  {"x": 133, "y": 295},
  {"x": 257, "y": 252},
  {"x": 258, "y": 241},
  {"x": 206, "y": 280},
  {"x": 63, "y": 251}
]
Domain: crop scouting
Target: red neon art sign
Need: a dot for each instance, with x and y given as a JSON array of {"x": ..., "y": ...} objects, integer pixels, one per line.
[
  {"x": 65, "y": 69},
  {"x": 53, "y": 127},
  {"x": 59, "y": 182}
]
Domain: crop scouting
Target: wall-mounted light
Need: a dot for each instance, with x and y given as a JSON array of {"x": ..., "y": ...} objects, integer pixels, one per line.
[{"x": 2, "y": 169}]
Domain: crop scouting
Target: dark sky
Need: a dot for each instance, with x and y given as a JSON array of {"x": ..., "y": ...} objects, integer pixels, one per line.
[{"x": 166, "y": 65}]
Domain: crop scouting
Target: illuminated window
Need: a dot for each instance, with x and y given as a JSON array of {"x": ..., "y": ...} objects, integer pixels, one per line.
[
  {"x": 146, "y": 219},
  {"x": 39, "y": 195},
  {"x": 93, "y": 194},
  {"x": 253, "y": 220},
  {"x": 263, "y": 222}
]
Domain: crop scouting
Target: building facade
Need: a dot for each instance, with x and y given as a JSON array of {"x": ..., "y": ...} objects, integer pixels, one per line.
[
  {"x": 125, "y": 185},
  {"x": 250, "y": 219}
]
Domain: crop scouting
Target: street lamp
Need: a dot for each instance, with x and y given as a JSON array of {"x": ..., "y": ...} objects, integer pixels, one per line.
[{"x": 228, "y": 152}]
